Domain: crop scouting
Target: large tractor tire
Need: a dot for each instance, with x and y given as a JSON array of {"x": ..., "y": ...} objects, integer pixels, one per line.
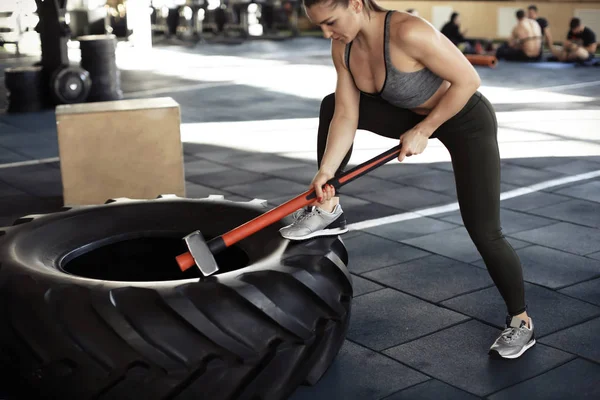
[{"x": 94, "y": 306}]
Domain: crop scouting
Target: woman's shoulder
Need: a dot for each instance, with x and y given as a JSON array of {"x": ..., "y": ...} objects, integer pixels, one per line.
[{"x": 407, "y": 29}]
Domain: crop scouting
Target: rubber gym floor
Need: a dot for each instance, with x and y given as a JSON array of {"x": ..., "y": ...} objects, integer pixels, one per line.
[{"x": 425, "y": 310}]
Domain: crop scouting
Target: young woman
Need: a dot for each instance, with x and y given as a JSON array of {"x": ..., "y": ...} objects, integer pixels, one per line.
[{"x": 399, "y": 77}]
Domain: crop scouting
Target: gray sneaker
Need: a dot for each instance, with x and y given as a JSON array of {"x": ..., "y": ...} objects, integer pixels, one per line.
[
  {"x": 514, "y": 340},
  {"x": 310, "y": 222}
]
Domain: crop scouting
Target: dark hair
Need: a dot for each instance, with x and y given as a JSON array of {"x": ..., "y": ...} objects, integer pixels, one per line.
[
  {"x": 575, "y": 22},
  {"x": 520, "y": 14},
  {"x": 410, "y": 10},
  {"x": 370, "y": 5},
  {"x": 453, "y": 16},
  {"x": 532, "y": 7}
]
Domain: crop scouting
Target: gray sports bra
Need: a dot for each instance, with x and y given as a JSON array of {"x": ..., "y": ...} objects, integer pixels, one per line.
[{"x": 402, "y": 89}]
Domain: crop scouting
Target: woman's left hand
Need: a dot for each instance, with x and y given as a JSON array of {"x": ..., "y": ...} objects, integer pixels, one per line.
[{"x": 413, "y": 141}]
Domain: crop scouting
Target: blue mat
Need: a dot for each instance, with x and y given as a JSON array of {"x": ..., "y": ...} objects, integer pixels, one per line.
[{"x": 551, "y": 65}]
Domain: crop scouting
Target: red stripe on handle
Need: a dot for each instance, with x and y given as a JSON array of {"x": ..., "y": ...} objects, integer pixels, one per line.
[{"x": 266, "y": 219}]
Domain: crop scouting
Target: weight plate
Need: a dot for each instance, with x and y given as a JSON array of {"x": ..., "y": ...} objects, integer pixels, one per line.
[{"x": 71, "y": 85}]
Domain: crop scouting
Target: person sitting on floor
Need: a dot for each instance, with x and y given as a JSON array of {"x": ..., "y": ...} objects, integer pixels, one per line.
[
  {"x": 532, "y": 13},
  {"x": 452, "y": 31},
  {"x": 525, "y": 43},
  {"x": 580, "y": 44}
]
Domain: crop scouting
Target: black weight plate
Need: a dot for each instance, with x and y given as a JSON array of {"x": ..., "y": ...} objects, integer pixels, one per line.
[{"x": 71, "y": 85}]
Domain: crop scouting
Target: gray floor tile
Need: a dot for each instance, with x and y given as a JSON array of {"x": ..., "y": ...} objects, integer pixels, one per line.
[
  {"x": 511, "y": 221},
  {"x": 363, "y": 286},
  {"x": 574, "y": 167},
  {"x": 367, "y": 252},
  {"x": 408, "y": 198},
  {"x": 366, "y": 211},
  {"x": 370, "y": 187},
  {"x": 266, "y": 163},
  {"x": 303, "y": 174},
  {"x": 580, "y": 339},
  {"x": 454, "y": 243},
  {"x": 434, "y": 180},
  {"x": 433, "y": 278},
  {"x": 586, "y": 291},
  {"x": 8, "y": 157},
  {"x": 37, "y": 180},
  {"x": 564, "y": 236},
  {"x": 201, "y": 167},
  {"x": 268, "y": 188},
  {"x": 386, "y": 318},
  {"x": 227, "y": 178},
  {"x": 215, "y": 153},
  {"x": 576, "y": 211},
  {"x": 459, "y": 356},
  {"x": 578, "y": 379},
  {"x": 7, "y": 190},
  {"x": 432, "y": 390},
  {"x": 522, "y": 176},
  {"x": 532, "y": 201},
  {"x": 360, "y": 374},
  {"x": 553, "y": 268},
  {"x": 396, "y": 171},
  {"x": 565, "y": 187},
  {"x": 585, "y": 191},
  {"x": 539, "y": 162},
  {"x": 550, "y": 311},
  {"x": 411, "y": 228}
]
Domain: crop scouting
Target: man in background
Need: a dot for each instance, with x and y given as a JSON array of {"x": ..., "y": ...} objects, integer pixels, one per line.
[
  {"x": 580, "y": 44},
  {"x": 525, "y": 43},
  {"x": 532, "y": 13}
]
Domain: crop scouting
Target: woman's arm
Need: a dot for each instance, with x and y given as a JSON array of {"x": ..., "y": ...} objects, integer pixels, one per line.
[
  {"x": 345, "y": 118},
  {"x": 425, "y": 44}
]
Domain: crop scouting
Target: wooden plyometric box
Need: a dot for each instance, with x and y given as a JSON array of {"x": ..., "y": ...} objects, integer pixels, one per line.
[{"x": 123, "y": 148}]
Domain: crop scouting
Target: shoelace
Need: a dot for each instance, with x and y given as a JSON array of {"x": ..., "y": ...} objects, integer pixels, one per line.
[
  {"x": 305, "y": 213},
  {"x": 510, "y": 334}
]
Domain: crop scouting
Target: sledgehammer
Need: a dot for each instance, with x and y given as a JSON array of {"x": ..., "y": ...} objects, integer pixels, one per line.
[{"x": 202, "y": 253}]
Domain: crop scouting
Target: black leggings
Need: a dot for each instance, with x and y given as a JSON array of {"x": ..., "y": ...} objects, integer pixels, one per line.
[{"x": 471, "y": 138}]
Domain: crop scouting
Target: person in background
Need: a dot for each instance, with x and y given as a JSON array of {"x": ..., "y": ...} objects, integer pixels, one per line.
[
  {"x": 532, "y": 13},
  {"x": 452, "y": 31},
  {"x": 580, "y": 44},
  {"x": 525, "y": 43}
]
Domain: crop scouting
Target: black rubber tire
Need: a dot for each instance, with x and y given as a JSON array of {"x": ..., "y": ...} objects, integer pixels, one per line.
[{"x": 252, "y": 333}]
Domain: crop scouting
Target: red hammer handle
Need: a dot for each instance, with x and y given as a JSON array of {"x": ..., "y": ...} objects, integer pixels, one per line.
[{"x": 218, "y": 244}]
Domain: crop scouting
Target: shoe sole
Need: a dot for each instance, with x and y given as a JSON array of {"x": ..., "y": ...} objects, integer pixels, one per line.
[
  {"x": 324, "y": 232},
  {"x": 513, "y": 356}
]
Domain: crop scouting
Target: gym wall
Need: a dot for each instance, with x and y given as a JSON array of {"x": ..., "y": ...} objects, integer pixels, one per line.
[{"x": 495, "y": 19}]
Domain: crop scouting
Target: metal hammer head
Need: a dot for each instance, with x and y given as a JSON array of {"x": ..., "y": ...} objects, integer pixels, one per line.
[{"x": 200, "y": 255}]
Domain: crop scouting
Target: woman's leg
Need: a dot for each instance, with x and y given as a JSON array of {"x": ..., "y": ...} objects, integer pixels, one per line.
[
  {"x": 375, "y": 116},
  {"x": 471, "y": 139},
  {"x": 473, "y": 146}
]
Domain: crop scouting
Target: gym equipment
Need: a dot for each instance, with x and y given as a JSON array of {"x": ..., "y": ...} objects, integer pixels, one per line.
[
  {"x": 98, "y": 57},
  {"x": 26, "y": 90},
  {"x": 121, "y": 148},
  {"x": 482, "y": 59},
  {"x": 201, "y": 253},
  {"x": 70, "y": 85},
  {"x": 93, "y": 305}
]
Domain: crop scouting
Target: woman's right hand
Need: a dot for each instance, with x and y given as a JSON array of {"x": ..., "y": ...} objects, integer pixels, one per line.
[{"x": 320, "y": 179}]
